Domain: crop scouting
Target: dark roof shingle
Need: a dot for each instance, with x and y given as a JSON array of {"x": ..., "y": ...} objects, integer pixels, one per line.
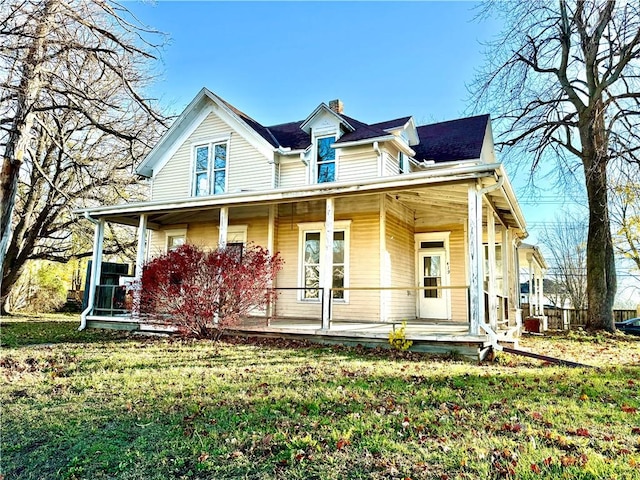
[
  {"x": 291, "y": 135},
  {"x": 459, "y": 139}
]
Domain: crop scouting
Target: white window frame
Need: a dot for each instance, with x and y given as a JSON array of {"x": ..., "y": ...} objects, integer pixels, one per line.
[
  {"x": 173, "y": 233},
  {"x": 211, "y": 169},
  {"x": 319, "y": 227},
  {"x": 316, "y": 166},
  {"x": 403, "y": 163},
  {"x": 238, "y": 231}
]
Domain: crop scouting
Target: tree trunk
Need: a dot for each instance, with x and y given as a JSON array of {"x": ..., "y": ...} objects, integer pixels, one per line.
[
  {"x": 601, "y": 273},
  {"x": 20, "y": 129}
]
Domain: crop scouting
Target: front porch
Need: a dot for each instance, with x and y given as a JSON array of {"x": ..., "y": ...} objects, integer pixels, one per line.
[
  {"x": 435, "y": 337},
  {"x": 358, "y": 261}
]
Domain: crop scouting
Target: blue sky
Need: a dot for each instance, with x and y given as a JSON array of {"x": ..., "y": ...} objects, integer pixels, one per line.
[{"x": 278, "y": 60}]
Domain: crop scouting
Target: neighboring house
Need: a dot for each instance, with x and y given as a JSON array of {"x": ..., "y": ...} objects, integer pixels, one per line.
[
  {"x": 378, "y": 222},
  {"x": 532, "y": 269},
  {"x": 555, "y": 294}
]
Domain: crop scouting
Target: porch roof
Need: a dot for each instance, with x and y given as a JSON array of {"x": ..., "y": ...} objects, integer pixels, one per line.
[{"x": 411, "y": 187}]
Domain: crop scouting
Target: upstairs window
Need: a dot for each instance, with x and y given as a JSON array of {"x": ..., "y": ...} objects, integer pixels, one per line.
[
  {"x": 403, "y": 163},
  {"x": 210, "y": 169},
  {"x": 326, "y": 160}
]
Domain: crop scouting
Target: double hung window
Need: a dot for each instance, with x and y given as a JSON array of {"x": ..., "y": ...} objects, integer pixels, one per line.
[
  {"x": 210, "y": 169},
  {"x": 312, "y": 256},
  {"x": 326, "y": 160}
]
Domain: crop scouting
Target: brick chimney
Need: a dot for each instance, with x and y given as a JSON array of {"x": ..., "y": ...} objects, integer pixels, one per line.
[{"x": 336, "y": 105}]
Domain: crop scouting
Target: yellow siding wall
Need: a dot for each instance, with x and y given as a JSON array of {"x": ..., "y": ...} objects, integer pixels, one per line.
[
  {"x": 363, "y": 257},
  {"x": 357, "y": 163},
  {"x": 401, "y": 249},
  {"x": 247, "y": 168}
]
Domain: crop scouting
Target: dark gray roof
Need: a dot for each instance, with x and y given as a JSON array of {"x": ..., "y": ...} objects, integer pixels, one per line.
[
  {"x": 261, "y": 130},
  {"x": 291, "y": 135},
  {"x": 362, "y": 131},
  {"x": 391, "y": 124},
  {"x": 459, "y": 139}
]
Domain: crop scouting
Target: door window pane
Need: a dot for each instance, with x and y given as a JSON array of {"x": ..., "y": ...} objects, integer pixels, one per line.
[{"x": 432, "y": 266}]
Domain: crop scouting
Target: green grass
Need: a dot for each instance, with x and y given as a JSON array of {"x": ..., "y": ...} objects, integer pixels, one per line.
[{"x": 100, "y": 405}]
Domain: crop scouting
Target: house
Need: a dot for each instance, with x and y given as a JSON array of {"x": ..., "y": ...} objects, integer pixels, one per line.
[{"x": 376, "y": 222}]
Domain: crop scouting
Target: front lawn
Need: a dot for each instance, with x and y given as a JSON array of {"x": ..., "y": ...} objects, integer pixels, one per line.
[{"x": 98, "y": 405}]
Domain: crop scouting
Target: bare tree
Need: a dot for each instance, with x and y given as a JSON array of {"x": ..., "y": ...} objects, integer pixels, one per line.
[
  {"x": 566, "y": 241},
  {"x": 563, "y": 80},
  {"x": 73, "y": 118}
]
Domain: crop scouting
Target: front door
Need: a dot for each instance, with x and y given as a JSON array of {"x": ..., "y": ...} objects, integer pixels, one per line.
[{"x": 433, "y": 272}]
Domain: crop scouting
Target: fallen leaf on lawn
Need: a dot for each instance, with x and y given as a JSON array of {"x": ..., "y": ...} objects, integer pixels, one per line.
[
  {"x": 535, "y": 468},
  {"x": 203, "y": 457},
  {"x": 547, "y": 461},
  {"x": 536, "y": 416},
  {"x": 567, "y": 461},
  {"x": 636, "y": 430},
  {"x": 342, "y": 443},
  {"x": 237, "y": 454},
  {"x": 583, "y": 432},
  {"x": 629, "y": 409}
]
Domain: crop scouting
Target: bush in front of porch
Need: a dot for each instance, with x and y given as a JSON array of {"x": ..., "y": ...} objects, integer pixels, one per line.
[{"x": 201, "y": 292}]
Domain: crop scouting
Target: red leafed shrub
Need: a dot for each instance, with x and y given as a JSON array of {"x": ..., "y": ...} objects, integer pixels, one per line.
[{"x": 204, "y": 292}]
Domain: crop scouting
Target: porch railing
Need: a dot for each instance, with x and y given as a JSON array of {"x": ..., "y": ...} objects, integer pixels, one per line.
[{"x": 111, "y": 301}]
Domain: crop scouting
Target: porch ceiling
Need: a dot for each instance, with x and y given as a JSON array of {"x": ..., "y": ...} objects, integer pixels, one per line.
[{"x": 441, "y": 205}]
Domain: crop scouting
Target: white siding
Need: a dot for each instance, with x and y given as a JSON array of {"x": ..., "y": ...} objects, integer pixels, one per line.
[
  {"x": 390, "y": 163},
  {"x": 357, "y": 163},
  {"x": 247, "y": 168},
  {"x": 292, "y": 174}
]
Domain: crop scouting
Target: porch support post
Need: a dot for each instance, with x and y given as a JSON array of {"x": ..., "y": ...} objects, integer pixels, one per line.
[
  {"x": 271, "y": 232},
  {"x": 224, "y": 223},
  {"x": 327, "y": 267},
  {"x": 96, "y": 269},
  {"x": 491, "y": 274},
  {"x": 140, "y": 256},
  {"x": 385, "y": 264},
  {"x": 476, "y": 294},
  {"x": 532, "y": 311},
  {"x": 506, "y": 262},
  {"x": 541, "y": 292},
  {"x": 271, "y": 236},
  {"x": 142, "y": 245}
]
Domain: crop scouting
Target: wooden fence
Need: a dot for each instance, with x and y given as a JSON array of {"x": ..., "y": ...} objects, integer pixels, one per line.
[{"x": 565, "y": 319}]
